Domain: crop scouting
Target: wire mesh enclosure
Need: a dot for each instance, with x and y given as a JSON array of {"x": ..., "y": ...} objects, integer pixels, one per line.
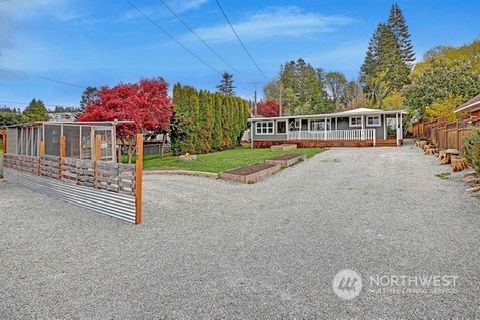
[{"x": 79, "y": 138}]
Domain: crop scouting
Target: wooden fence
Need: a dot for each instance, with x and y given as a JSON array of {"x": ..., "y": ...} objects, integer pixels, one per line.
[
  {"x": 445, "y": 135},
  {"x": 111, "y": 188}
]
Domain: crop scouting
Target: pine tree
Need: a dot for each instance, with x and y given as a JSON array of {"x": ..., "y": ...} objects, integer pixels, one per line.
[
  {"x": 390, "y": 60},
  {"x": 384, "y": 69},
  {"x": 371, "y": 57},
  {"x": 398, "y": 26},
  {"x": 36, "y": 111},
  {"x": 226, "y": 85}
]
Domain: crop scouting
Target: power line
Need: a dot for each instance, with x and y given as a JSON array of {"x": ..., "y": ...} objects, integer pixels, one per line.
[
  {"x": 240, "y": 40},
  {"x": 203, "y": 41},
  {"x": 45, "y": 78},
  {"x": 171, "y": 37},
  {"x": 27, "y": 103}
]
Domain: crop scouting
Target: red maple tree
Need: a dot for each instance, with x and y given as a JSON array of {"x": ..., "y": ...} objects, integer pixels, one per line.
[
  {"x": 269, "y": 108},
  {"x": 146, "y": 103}
]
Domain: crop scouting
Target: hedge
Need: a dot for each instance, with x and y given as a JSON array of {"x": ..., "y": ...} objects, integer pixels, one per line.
[
  {"x": 204, "y": 122},
  {"x": 471, "y": 149}
]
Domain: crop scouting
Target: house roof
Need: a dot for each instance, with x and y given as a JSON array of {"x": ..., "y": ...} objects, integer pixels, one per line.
[
  {"x": 470, "y": 104},
  {"x": 348, "y": 113},
  {"x": 93, "y": 123}
]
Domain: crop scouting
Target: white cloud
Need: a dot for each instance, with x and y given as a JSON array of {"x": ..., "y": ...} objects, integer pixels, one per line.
[{"x": 280, "y": 22}]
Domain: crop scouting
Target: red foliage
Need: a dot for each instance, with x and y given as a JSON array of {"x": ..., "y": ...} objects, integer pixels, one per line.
[
  {"x": 269, "y": 108},
  {"x": 146, "y": 103}
]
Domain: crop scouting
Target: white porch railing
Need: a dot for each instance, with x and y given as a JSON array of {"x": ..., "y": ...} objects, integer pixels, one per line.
[{"x": 354, "y": 134}]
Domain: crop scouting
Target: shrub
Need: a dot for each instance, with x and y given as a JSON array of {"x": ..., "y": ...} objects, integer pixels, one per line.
[
  {"x": 471, "y": 149},
  {"x": 205, "y": 122}
]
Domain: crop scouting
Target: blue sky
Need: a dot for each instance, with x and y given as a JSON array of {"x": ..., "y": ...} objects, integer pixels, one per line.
[{"x": 105, "y": 42}]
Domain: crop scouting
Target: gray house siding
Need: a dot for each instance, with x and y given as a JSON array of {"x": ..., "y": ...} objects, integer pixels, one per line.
[{"x": 339, "y": 123}]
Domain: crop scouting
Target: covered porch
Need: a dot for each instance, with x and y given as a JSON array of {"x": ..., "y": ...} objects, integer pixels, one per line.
[{"x": 358, "y": 127}]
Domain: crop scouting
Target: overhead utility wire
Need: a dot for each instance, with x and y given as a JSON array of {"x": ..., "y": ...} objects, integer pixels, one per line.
[
  {"x": 240, "y": 40},
  {"x": 203, "y": 41},
  {"x": 46, "y": 78},
  {"x": 171, "y": 37},
  {"x": 27, "y": 103}
]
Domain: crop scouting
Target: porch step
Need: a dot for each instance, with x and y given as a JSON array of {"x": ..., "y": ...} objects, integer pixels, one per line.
[
  {"x": 284, "y": 147},
  {"x": 386, "y": 143}
]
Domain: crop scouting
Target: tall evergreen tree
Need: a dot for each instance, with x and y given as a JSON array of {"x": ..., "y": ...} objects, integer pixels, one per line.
[
  {"x": 397, "y": 24},
  {"x": 371, "y": 57},
  {"x": 384, "y": 69},
  {"x": 36, "y": 111},
  {"x": 226, "y": 85},
  {"x": 89, "y": 95}
]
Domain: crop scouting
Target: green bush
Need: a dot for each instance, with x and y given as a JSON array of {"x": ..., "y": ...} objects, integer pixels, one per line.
[
  {"x": 204, "y": 122},
  {"x": 471, "y": 149}
]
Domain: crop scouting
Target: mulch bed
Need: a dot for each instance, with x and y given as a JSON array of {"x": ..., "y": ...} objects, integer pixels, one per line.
[
  {"x": 245, "y": 171},
  {"x": 287, "y": 157}
]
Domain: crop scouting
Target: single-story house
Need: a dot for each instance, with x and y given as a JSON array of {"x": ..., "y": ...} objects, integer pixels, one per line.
[
  {"x": 472, "y": 106},
  {"x": 360, "y": 127}
]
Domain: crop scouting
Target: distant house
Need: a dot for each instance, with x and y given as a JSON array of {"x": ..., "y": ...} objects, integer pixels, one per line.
[
  {"x": 360, "y": 127},
  {"x": 472, "y": 106},
  {"x": 61, "y": 116}
]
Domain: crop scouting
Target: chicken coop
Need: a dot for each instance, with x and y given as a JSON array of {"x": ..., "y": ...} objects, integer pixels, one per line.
[{"x": 28, "y": 139}]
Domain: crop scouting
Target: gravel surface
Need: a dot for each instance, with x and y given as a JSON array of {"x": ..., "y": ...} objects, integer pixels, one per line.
[{"x": 215, "y": 249}]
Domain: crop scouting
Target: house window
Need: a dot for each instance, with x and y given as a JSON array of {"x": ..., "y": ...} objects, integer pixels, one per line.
[
  {"x": 264, "y": 127},
  {"x": 318, "y": 125},
  {"x": 281, "y": 127},
  {"x": 374, "y": 121},
  {"x": 356, "y": 121}
]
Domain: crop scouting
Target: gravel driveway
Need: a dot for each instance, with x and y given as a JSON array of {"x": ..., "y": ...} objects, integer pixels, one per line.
[{"x": 213, "y": 249}]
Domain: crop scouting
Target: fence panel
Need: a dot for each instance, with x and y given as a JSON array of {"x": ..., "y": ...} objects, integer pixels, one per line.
[
  {"x": 446, "y": 136},
  {"x": 101, "y": 186}
]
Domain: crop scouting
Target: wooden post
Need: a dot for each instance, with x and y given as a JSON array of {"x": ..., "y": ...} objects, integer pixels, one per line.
[
  {"x": 458, "y": 138},
  {"x": 41, "y": 153},
  {"x": 138, "y": 179},
  {"x": 98, "y": 157},
  {"x": 62, "y": 155},
  {"x": 4, "y": 141}
]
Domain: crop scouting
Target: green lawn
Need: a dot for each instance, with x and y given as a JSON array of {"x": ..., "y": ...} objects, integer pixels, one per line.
[{"x": 221, "y": 161}]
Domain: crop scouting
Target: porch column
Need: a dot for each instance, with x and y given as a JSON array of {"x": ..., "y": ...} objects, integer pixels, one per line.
[
  {"x": 396, "y": 129},
  {"x": 325, "y": 130},
  {"x": 384, "y": 126},
  {"x": 251, "y": 134},
  {"x": 401, "y": 125},
  {"x": 363, "y": 127}
]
